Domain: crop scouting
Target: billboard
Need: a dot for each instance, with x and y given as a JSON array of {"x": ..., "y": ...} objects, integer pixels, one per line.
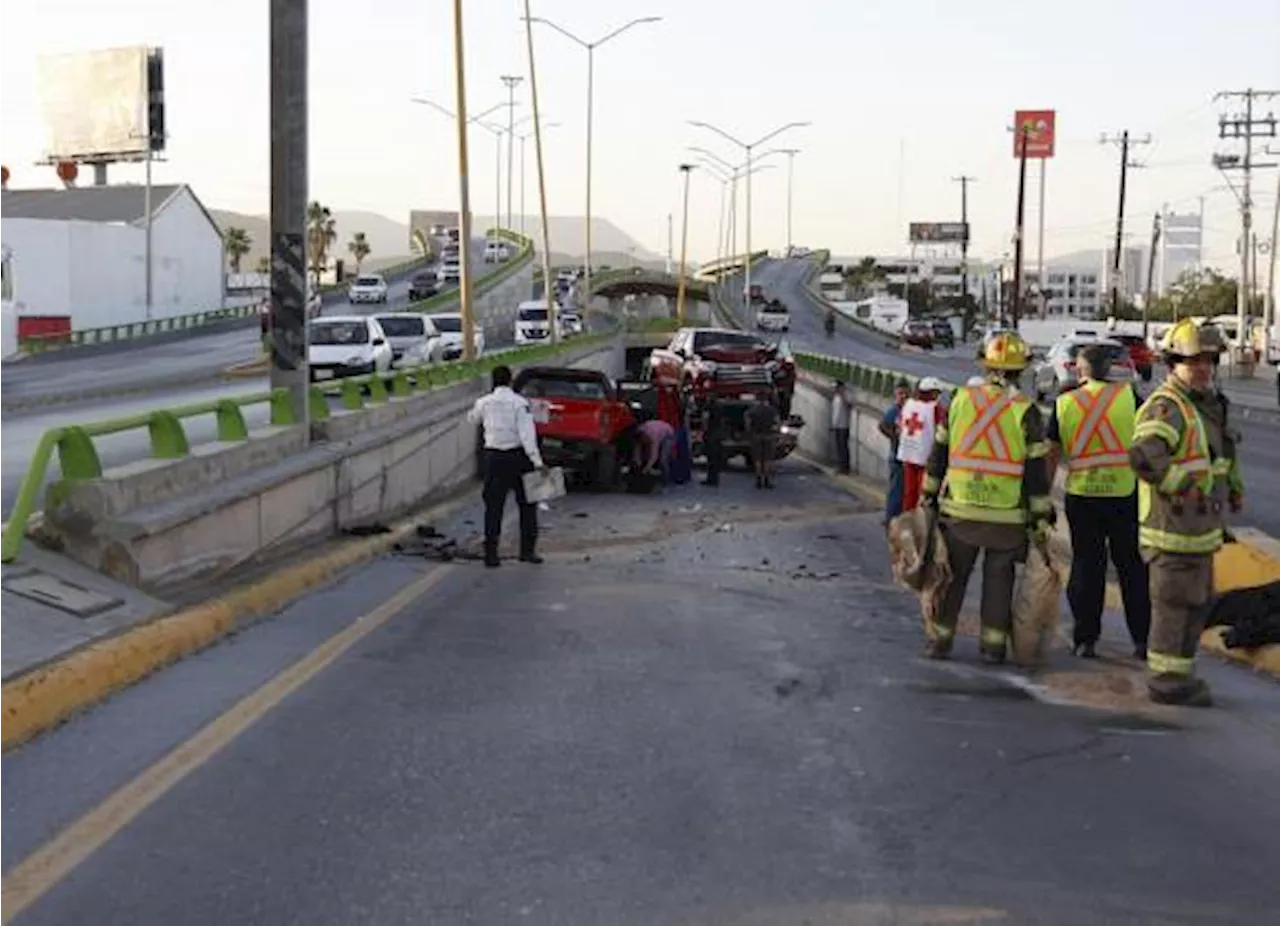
[
  {"x": 98, "y": 105},
  {"x": 1038, "y": 125},
  {"x": 939, "y": 232}
]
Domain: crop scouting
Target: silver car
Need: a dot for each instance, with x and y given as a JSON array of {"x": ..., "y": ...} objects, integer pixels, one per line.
[{"x": 1056, "y": 373}]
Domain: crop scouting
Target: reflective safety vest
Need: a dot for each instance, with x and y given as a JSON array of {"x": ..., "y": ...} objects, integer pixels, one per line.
[
  {"x": 1157, "y": 526},
  {"x": 987, "y": 453},
  {"x": 1095, "y": 424}
]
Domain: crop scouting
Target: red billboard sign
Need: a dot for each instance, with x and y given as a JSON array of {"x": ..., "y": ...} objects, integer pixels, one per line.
[{"x": 1037, "y": 126}]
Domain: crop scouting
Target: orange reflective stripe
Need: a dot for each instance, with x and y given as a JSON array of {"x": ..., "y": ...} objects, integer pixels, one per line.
[
  {"x": 1096, "y": 423},
  {"x": 986, "y": 427}
]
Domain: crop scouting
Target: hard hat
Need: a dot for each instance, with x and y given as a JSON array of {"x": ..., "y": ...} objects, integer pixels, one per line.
[
  {"x": 930, "y": 384},
  {"x": 1006, "y": 351},
  {"x": 1189, "y": 339}
]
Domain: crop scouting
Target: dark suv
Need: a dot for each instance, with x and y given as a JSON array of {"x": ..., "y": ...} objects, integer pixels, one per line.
[
  {"x": 943, "y": 335},
  {"x": 423, "y": 285},
  {"x": 918, "y": 334}
]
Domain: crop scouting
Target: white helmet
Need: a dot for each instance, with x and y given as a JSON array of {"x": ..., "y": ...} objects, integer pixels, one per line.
[{"x": 930, "y": 384}]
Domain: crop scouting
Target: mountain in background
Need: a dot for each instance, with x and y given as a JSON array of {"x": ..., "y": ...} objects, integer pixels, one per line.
[{"x": 389, "y": 239}]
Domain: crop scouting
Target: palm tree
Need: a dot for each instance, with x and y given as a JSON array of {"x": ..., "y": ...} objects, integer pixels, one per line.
[
  {"x": 321, "y": 234},
  {"x": 237, "y": 243},
  {"x": 359, "y": 248},
  {"x": 863, "y": 275}
]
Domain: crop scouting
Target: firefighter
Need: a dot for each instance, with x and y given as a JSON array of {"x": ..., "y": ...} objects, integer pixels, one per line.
[
  {"x": 1091, "y": 429},
  {"x": 992, "y": 453},
  {"x": 1184, "y": 456}
]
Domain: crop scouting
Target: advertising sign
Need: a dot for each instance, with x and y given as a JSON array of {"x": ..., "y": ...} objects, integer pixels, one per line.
[
  {"x": 939, "y": 232},
  {"x": 95, "y": 104},
  {"x": 1038, "y": 127}
]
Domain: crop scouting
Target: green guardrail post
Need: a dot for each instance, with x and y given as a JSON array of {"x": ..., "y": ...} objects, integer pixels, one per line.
[
  {"x": 377, "y": 389},
  {"x": 168, "y": 440},
  {"x": 281, "y": 409},
  {"x": 400, "y": 387},
  {"x": 231, "y": 425},
  {"x": 352, "y": 398},
  {"x": 317, "y": 404}
]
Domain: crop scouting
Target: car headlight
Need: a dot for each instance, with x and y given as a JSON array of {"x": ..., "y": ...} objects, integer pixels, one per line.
[{"x": 354, "y": 360}]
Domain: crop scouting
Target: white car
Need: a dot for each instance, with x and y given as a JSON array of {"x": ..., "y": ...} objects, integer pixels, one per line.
[
  {"x": 347, "y": 345},
  {"x": 413, "y": 337},
  {"x": 370, "y": 288},
  {"x": 449, "y": 324},
  {"x": 773, "y": 316},
  {"x": 532, "y": 325},
  {"x": 570, "y": 322},
  {"x": 496, "y": 252},
  {"x": 450, "y": 272}
]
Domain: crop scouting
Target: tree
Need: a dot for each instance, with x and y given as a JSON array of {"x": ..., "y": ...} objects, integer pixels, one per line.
[
  {"x": 863, "y": 276},
  {"x": 321, "y": 234},
  {"x": 264, "y": 264},
  {"x": 237, "y": 243},
  {"x": 1205, "y": 293},
  {"x": 359, "y": 248}
]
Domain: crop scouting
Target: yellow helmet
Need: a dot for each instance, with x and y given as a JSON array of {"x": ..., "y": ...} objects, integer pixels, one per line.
[
  {"x": 1188, "y": 338},
  {"x": 1006, "y": 351}
]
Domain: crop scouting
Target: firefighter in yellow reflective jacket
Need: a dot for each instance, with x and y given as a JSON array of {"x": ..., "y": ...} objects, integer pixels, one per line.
[
  {"x": 991, "y": 452},
  {"x": 1184, "y": 455}
]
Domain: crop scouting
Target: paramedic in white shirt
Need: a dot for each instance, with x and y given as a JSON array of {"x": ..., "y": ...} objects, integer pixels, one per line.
[
  {"x": 915, "y": 438},
  {"x": 841, "y": 408},
  {"x": 510, "y": 451}
]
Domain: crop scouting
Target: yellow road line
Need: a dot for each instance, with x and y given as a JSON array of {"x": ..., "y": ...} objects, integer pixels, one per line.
[{"x": 49, "y": 864}]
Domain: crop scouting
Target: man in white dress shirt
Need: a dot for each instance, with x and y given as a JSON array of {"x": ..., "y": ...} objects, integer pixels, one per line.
[{"x": 510, "y": 451}]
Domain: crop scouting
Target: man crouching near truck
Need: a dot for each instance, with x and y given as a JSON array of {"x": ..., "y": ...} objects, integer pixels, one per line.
[{"x": 763, "y": 427}]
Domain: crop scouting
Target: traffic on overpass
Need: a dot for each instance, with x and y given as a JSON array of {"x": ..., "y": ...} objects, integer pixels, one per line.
[{"x": 933, "y": 584}]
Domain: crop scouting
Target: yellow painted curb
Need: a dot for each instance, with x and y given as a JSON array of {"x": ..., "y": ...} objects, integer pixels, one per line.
[{"x": 46, "y": 696}]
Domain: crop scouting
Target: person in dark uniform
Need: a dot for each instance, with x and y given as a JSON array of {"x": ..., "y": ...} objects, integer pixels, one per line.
[
  {"x": 510, "y": 451},
  {"x": 713, "y": 442}
]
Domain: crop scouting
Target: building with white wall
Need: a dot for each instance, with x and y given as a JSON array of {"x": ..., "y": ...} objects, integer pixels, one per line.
[
  {"x": 1181, "y": 244},
  {"x": 943, "y": 273},
  {"x": 80, "y": 254}
]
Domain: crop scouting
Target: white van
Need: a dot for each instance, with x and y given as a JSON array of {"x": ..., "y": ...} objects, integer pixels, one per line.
[{"x": 532, "y": 324}]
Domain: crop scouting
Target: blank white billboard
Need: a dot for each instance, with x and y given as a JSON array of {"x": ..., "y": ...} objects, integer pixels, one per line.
[{"x": 95, "y": 103}]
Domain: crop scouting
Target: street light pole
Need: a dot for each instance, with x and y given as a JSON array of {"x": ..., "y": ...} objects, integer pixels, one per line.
[
  {"x": 749, "y": 147},
  {"x": 591, "y": 48},
  {"x": 547, "y": 281},
  {"x": 289, "y": 368},
  {"x": 512, "y": 82},
  {"x": 685, "y": 169},
  {"x": 791, "y": 165},
  {"x": 464, "y": 192}
]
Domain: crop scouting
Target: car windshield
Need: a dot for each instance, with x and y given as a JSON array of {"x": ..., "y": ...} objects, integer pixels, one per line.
[
  {"x": 396, "y": 327},
  {"x": 1114, "y": 352},
  {"x": 423, "y": 276},
  {"x": 335, "y": 332},
  {"x": 449, "y": 323},
  {"x": 368, "y": 281},
  {"x": 533, "y": 315},
  {"x": 554, "y": 387},
  {"x": 706, "y": 340},
  {"x": 774, "y": 307}
]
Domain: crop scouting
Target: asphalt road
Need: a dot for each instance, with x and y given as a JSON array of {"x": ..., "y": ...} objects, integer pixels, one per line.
[
  {"x": 1259, "y": 452},
  {"x": 648, "y": 730},
  {"x": 199, "y": 357}
]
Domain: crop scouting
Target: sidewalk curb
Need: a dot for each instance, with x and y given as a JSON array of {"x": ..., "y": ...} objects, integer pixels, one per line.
[{"x": 53, "y": 692}]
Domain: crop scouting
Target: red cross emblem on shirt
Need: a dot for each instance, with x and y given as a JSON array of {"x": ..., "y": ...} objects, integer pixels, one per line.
[{"x": 913, "y": 425}]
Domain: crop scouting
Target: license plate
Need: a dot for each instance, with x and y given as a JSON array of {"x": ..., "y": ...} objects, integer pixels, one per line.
[
  {"x": 541, "y": 412},
  {"x": 747, "y": 396},
  {"x": 324, "y": 374}
]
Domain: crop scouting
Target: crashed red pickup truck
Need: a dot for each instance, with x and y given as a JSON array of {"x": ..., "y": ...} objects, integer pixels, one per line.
[
  {"x": 732, "y": 367},
  {"x": 585, "y": 420}
]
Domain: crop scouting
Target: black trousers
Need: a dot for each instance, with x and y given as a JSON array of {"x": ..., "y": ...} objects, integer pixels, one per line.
[
  {"x": 714, "y": 449},
  {"x": 840, "y": 438},
  {"x": 503, "y": 472},
  {"x": 1098, "y": 525}
]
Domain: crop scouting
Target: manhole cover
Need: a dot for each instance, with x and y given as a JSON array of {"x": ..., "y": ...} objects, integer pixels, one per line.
[{"x": 61, "y": 594}]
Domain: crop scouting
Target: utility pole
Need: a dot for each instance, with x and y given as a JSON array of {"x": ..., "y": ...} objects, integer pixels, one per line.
[
  {"x": 289, "y": 368},
  {"x": 1269, "y": 319},
  {"x": 512, "y": 81},
  {"x": 1246, "y": 128},
  {"x": 670, "y": 244},
  {"x": 964, "y": 182},
  {"x": 1151, "y": 271},
  {"x": 1016, "y": 295},
  {"x": 466, "y": 291},
  {"x": 1125, "y": 141},
  {"x": 687, "y": 170}
]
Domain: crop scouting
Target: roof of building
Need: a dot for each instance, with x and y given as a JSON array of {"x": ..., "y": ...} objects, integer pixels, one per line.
[{"x": 115, "y": 203}]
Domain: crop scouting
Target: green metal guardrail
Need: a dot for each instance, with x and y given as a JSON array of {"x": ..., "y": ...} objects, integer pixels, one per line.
[
  {"x": 652, "y": 325},
  {"x": 111, "y": 334},
  {"x": 729, "y": 264},
  {"x": 819, "y": 260},
  {"x": 78, "y": 458}
]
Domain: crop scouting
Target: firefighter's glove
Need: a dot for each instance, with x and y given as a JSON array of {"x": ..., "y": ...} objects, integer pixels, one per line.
[{"x": 1040, "y": 532}]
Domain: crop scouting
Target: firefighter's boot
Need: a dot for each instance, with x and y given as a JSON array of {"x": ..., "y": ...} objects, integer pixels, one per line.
[{"x": 1182, "y": 690}]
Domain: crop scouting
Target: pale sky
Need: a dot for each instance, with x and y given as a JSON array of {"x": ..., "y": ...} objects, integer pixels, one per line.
[{"x": 902, "y": 96}]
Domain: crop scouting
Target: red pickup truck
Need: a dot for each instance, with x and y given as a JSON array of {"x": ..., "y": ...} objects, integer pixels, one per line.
[{"x": 585, "y": 421}]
